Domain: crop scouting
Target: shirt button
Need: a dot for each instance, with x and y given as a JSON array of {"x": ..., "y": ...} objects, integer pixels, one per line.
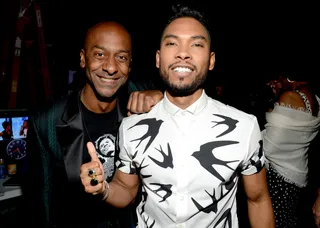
[
  {"x": 181, "y": 198},
  {"x": 179, "y": 226}
]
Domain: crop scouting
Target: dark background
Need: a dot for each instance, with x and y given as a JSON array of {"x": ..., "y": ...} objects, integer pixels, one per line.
[{"x": 252, "y": 41}]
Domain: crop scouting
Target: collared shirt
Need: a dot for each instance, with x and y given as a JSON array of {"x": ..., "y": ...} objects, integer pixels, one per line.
[{"x": 189, "y": 162}]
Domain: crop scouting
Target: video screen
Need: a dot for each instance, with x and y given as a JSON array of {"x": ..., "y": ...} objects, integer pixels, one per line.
[
  {"x": 14, "y": 127},
  {"x": 13, "y": 133}
]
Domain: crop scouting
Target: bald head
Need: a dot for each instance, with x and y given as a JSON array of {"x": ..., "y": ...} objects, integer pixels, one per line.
[
  {"x": 106, "y": 58},
  {"x": 110, "y": 27}
]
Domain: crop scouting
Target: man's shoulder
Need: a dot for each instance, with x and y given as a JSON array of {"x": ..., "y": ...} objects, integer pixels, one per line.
[
  {"x": 230, "y": 111},
  {"x": 53, "y": 109},
  {"x": 48, "y": 107}
]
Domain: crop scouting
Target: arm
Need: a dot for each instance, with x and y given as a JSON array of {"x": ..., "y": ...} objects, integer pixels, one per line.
[
  {"x": 254, "y": 179},
  {"x": 316, "y": 209},
  {"x": 143, "y": 101},
  {"x": 143, "y": 96},
  {"x": 123, "y": 189},
  {"x": 259, "y": 201}
]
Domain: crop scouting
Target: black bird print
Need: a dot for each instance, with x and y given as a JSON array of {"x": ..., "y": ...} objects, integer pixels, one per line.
[
  {"x": 146, "y": 222},
  {"x": 167, "y": 159},
  {"x": 142, "y": 167},
  {"x": 258, "y": 163},
  {"x": 231, "y": 123},
  {"x": 152, "y": 132},
  {"x": 145, "y": 218},
  {"x": 163, "y": 187},
  {"x": 134, "y": 155},
  {"x": 230, "y": 183},
  {"x": 226, "y": 215},
  {"x": 144, "y": 197},
  {"x": 207, "y": 159},
  {"x": 121, "y": 164},
  {"x": 212, "y": 207},
  {"x": 256, "y": 160}
]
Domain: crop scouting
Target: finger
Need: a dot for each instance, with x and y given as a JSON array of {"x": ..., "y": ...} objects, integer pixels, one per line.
[
  {"x": 148, "y": 104},
  {"x": 98, "y": 189},
  {"x": 84, "y": 169},
  {"x": 96, "y": 170},
  {"x": 86, "y": 179},
  {"x": 140, "y": 100},
  {"x": 129, "y": 102},
  {"x": 133, "y": 104},
  {"x": 92, "y": 152}
]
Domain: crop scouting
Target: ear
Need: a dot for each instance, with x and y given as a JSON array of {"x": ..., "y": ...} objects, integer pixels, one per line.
[
  {"x": 212, "y": 60},
  {"x": 82, "y": 58},
  {"x": 157, "y": 58}
]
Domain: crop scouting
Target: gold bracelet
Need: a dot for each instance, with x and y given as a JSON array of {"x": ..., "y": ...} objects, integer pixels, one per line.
[{"x": 106, "y": 191}]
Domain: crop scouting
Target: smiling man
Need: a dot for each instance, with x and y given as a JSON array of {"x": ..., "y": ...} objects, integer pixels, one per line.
[
  {"x": 189, "y": 151},
  {"x": 58, "y": 135}
]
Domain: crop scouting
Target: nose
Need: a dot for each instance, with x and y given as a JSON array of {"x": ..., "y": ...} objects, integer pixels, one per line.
[
  {"x": 110, "y": 66},
  {"x": 183, "y": 53}
]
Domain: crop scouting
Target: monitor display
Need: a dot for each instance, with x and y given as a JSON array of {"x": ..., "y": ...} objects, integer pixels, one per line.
[{"x": 13, "y": 133}]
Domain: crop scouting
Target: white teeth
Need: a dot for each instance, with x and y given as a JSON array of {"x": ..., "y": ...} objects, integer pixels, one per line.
[
  {"x": 182, "y": 69},
  {"x": 107, "y": 79}
]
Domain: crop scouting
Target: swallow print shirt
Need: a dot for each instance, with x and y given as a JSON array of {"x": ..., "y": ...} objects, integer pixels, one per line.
[{"x": 189, "y": 162}]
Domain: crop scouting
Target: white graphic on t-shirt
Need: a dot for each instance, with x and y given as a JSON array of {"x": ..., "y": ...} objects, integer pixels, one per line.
[{"x": 105, "y": 146}]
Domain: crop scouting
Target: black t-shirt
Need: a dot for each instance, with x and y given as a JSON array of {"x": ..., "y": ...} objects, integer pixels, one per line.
[
  {"x": 88, "y": 210},
  {"x": 101, "y": 129}
]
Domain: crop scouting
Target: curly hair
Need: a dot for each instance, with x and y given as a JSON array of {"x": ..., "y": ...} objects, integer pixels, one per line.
[{"x": 189, "y": 10}]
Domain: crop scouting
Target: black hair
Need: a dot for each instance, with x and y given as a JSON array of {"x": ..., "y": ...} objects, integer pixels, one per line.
[
  {"x": 297, "y": 74},
  {"x": 5, "y": 124},
  {"x": 190, "y": 10},
  {"x": 299, "y": 66}
]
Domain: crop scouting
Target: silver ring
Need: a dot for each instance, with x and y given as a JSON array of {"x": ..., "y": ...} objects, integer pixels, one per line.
[{"x": 91, "y": 173}]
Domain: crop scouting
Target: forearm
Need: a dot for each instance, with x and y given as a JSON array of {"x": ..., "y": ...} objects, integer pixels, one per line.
[
  {"x": 119, "y": 195},
  {"x": 261, "y": 213}
]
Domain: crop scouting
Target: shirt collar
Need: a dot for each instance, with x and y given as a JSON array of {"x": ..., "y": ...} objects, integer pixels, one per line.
[{"x": 194, "y": 109}]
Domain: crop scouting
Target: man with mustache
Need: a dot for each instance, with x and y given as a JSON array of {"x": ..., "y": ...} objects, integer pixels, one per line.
[{"x": 189, "y": 152}]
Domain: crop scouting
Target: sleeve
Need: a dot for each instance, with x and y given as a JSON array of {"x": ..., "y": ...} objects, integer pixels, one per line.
[
  {"x": 37, "y": 190},
  {"x": 125, "y": 162},
  {"x": 255, "y": 159}
]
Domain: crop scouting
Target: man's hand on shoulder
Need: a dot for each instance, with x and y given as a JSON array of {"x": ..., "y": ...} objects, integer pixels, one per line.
[{"x": 143, "y": 101}]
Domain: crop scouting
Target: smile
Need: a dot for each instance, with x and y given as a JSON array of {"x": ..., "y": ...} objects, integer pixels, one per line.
[
  {"x": 109, "y": 79},
  {"x": 182, "y": 70}
]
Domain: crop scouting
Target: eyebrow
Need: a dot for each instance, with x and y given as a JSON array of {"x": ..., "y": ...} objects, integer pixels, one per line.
[
  {"x": 198, "y": 37},
  {"x": 103, "y": 48}
]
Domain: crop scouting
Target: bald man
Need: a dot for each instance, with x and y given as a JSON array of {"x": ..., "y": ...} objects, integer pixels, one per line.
[{"x": 58, "y": 135}]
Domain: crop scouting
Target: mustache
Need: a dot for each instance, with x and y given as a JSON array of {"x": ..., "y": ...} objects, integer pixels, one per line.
[{"x": 179, "y": 62}]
